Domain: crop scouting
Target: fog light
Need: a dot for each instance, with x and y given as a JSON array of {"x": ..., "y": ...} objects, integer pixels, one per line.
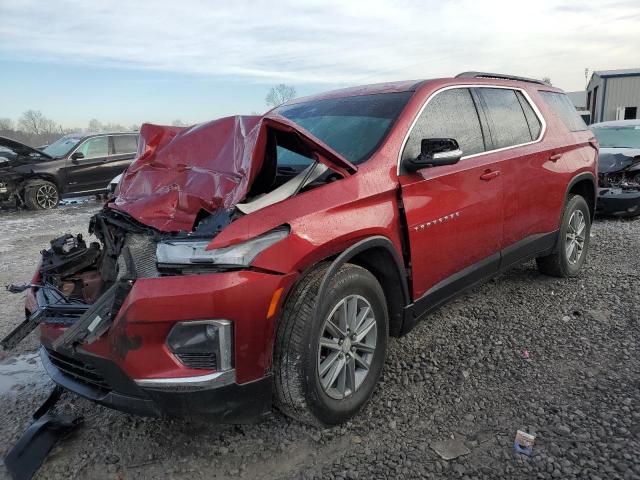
[{"x": 203, "y": 344}]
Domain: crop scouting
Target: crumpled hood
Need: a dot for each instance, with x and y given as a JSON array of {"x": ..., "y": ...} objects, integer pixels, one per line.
[
  {"x": 15, "y": 154},
  {"x": 211, "y": 166},
  {"x": 615, "y": 159}
]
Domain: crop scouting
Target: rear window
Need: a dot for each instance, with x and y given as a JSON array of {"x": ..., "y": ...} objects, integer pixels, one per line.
[
  {"x": 509, "y": 126},
  {"x": 563, "y": 108},
  {"x": 125, "y": 144}
]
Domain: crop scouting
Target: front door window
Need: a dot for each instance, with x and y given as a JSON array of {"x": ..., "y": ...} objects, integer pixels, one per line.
[{"x": 95, "y": 147}]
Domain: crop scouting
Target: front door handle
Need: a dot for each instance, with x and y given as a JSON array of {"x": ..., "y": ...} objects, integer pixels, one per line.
[
  {"x": 555, "y": 157},
  {"x": 490, "y": 175}
]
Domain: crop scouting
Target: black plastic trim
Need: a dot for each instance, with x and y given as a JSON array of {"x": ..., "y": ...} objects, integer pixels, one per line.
[
  {"x": 377, "y": 241},
  {"x": 245, "y": 403},
  {"x": 448, "y": 288},
  {"x": 578, "y": 178},
  {"x": 469, "y": 277},
  {"x": 527, "y": 248},
  {"x": 137, "y": 405},
  {"x": 361, "y": 246},
  {"x": 618, "y": 202}
]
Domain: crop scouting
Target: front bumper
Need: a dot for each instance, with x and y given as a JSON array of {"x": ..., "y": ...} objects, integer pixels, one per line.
[
  {"x": 92, "y": 377},
  {"x": 618, "y": 202},
  {"x": 130, "y": 367}
]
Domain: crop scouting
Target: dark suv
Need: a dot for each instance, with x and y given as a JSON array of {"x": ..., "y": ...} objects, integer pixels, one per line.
[
  {"x": 252, "y": 259},
  {"x": 76, "y": 164}
]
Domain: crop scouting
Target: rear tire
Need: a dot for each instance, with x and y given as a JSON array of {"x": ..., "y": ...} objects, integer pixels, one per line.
[
  {"x": 41, "y": 195},
  {"x": 573, "y": 241},
  {"x": 325, "y": 369}
]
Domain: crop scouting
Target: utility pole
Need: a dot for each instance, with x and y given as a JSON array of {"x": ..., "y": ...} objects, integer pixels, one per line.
[{"x": 586, "y": 78}]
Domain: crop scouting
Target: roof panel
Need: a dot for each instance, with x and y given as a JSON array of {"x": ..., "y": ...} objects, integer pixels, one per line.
[{"x": 617, "y": 73}]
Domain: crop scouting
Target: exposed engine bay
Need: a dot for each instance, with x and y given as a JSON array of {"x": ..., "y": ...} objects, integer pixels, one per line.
[
  {"x": 167, "y": 209},
  {"x": 619, "y": 182}
]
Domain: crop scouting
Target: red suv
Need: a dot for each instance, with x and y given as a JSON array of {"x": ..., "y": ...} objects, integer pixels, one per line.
[{"x": 258, "y": 260}]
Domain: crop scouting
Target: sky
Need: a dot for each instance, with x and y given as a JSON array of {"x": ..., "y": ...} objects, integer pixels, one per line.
[{"x": 128, "y": 62}]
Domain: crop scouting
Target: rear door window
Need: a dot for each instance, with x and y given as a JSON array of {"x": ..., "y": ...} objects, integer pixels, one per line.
[
  {"x": 125, "y": 144},
  {"x": 509, "y": 126},
  {"x": 449, "y": 114},
  {"x": 563, "y": 108}
]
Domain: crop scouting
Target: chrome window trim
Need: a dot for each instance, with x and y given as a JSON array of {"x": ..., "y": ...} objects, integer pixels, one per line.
[
  {"x": 104, "y": 135},
  {"x": 543, "y": 123},
  {"x": 199, "y": 382}
]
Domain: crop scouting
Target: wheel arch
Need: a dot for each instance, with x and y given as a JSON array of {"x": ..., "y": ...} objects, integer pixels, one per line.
[
  {"x": 378, "y": 255},
  {"x": 585, "y": 185},
  {"x": 24, "y": 183},
  {"x": 41, "y": 176}
]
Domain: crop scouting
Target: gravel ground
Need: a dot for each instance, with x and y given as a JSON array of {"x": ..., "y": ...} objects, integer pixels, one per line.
[{"x": 460, "y": 377}]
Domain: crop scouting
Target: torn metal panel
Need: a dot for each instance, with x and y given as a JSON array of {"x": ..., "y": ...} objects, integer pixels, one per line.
[{"x": 212, "y": 166}]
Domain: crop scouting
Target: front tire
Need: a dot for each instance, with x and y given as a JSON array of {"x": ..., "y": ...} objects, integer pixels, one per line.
[
  {"x": 329, "y": 351},
  {"x": 41, "y": 195},
  {"x": 573, "y": 241}
]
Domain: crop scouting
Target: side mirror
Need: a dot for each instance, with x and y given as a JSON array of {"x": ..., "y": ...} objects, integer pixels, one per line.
[
  {"x": 77, "y": 156},
  {"x": 435, "y": 152}
]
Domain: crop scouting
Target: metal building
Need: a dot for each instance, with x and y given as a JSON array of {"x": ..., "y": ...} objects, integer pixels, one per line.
[{"x": 614, "y": 95}]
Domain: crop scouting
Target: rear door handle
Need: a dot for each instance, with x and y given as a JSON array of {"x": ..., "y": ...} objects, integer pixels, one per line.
[
  {"x": 555, "y": 157},
  {"x": 490, "y": 175}
]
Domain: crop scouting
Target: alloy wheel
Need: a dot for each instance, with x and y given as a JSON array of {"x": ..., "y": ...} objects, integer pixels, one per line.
[
  {"x": 576, "y": 235},
  {"x": 47, "y": 196},
  {"x": 346, "y": 346}
]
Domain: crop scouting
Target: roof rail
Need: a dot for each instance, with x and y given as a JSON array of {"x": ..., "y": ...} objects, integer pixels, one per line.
[{"x": 499, "y": 76}]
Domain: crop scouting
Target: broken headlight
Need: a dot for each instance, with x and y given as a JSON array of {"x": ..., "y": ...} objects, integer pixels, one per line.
[
  {"x": 202, "y": 344},
  {"x": 193, "y": 252}
]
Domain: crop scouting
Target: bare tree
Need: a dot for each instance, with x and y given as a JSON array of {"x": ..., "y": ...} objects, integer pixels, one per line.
[
  {"x": 33, "y": 121},
  {"x": 6, "y": 124},
  {"x": 547, "y": 80},
  {"x": 113, "y": 127},
  {"x": 280, "y": 94},
  {"x": 96, "y": 125}
]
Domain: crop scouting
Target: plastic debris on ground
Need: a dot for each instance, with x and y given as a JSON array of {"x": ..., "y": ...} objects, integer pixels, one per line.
[
  {"x": 523, "y": 442},
  {"x": 33, "y": 447},
  {"x": 450, "y": 448}
]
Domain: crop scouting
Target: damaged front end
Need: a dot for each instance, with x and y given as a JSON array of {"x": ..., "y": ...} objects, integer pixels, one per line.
[
  {"x": 17, "y": 163},
  {"x": 619, "y": 182},
  {"x": 146, "y": 318}
]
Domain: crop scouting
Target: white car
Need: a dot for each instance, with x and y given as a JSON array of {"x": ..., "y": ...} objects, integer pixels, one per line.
[{"x": 113, "y": 184}]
